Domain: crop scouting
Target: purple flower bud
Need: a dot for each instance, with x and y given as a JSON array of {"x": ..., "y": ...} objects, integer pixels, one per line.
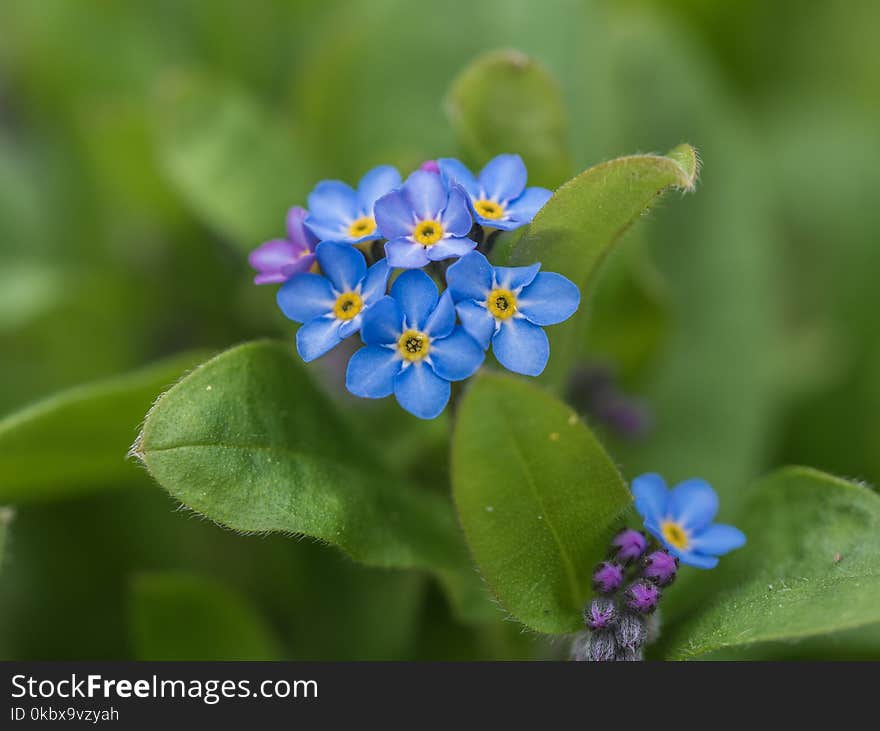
[
  {"x": 430, "y": 166},
  {"x": 600, "y": 614},
  {"x": 603, "y": 648},
  {"x": 628, "y": 545},
  {"x": 630, "y": 631},
  {"x": 642, "y": 597},
  {"x": 660, "y": 567},
  {"x": 627, "y": 654},
  {"x": 607, "y": 577}
]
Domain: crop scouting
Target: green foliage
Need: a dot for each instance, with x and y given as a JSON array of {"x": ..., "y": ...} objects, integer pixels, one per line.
[
  {"x": 248, "y": 441},
  {"x": 810, "y": 567},
  {"x": 538, "y": 498},
  {"x": 182, "y": 617},
  {"x": 77, "y": 440},
  {"x": 6, "y": 515}
]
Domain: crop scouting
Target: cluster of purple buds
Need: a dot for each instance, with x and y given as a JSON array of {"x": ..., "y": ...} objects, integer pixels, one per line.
[{"x": 621, "y": 620}]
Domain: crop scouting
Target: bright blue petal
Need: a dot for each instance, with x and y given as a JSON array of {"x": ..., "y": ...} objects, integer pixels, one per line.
[
  {"x": 417, "y": 296},
  {"x": 441, "y": 321},
  {"x": 421, "y": 391},
  {"x": 503, "y": 178},
  {"x": 327, "y": 230},
  {"x": 718, "y": 539},
  {"x": 426, "y": 194},
  {"x": 305, "y": 297},
  {"x": 516, "y": 278},
  {"x": 333, "y": 200},
  {"x": 651, "y": 498},
  {"x": 394, "y": 217},
  {"x": 524, "y": 208},
  {"x": 549, "y": 299},
  {"x": 456, "y": 357},
  {"x": 371, "y": 371},
  {"x": 375, "y": 282},
  {"x": 449, "y": 248},
  {"x": 383, "y": 323},
  {"x": 477, "y": 321},
  {"x": 342, "y": 264},
  {"x": 456, "y": 217},
  {"x": 521, "y": 347},
  {"x": 500, "y": 223},
  {"x": 470, "y": 278},
  {"x": 404, "y": 254},
  {"x": 452, "y": 171},
  {"x": 350, "y": 327},
  {"x": 694, "y": 504},
  {"x": 376, "y": 183},
  {"x": 316, "y": 337},
  {"x": 692, "y": 558}
]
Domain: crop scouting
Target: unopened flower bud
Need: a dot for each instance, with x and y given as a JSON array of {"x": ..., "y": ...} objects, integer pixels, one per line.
[
  {"x": 626, "y": 654},
  {"x": 630, "y": 631},
  {"x": 628, "y": 545},
  {"x": 642, "y": 597},
  {"x": 603, "y": 648},
  {"x": 660, "y": 567},
  {"x": 430, "y": 166},
  {"x": 600, "y": 614},
  {"x": 608, "y": 577}
]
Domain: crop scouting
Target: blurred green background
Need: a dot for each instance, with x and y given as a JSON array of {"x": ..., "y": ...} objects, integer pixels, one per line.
[{"x": 146, "y": 147}]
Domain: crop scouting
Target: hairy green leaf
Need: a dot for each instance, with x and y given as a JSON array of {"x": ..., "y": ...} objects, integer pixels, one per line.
[
  {"x": 247, "y": 440},
  {"x": 810, "y": 567},
  {"x": 577, "y": 227},
  {"x": 77, "y": 440},
  {"x": 177, "y": 616},
  {"x": 537, "y": 496}
]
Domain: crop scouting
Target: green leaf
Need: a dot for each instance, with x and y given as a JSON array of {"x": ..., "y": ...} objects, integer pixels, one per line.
[
  {"x": 578, "y": 226},
  {"x": 537, "y": 496},
  {"x": 77, "y": 440},
  {"x": 176, "y": 616},
  {"x": 506, "y": 102},
  {"x": 6, "y": 515},
  {"x": 810, "y": 567},
  {"x": 238, "y": 168},
  {"x": 248, "y": 441}
]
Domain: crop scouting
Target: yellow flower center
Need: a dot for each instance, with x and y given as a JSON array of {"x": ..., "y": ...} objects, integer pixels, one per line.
[
  {"x": 363, "y": 226},
  {"x": 489, "y": 209},
  {"x": 428, "y": 233},
  {"x": 348, "y": 306},
  {"x": 501, "y": 303},
  {"x": 413, "y": 345},
  {"x": 675, "y": 535}
]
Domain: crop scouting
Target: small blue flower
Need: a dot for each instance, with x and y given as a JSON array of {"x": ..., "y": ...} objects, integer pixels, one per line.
[
  {"x": 498, "y": 196},
  {"x": 424, "y": 222},
  {"x": 681, "y": 519},
  {"x": 509, "y": 306},
  {"x": 413, "y": 348},
  {"x": 338, "y": 212},
  {"x": 332, "y": 307}
]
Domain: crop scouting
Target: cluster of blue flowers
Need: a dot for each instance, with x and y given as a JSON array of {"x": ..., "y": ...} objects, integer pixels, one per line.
[
  {"x": 621, "y": 620},
  {"x": 335, "y": 269}
]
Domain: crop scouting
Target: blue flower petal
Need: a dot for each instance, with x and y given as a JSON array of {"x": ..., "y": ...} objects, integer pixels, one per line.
[
  {"x": 523, "y": 209},
  {"x": 470, "y": 278},
  {"x": 503, "y": 178},
  {"x": 316, "y": 337},
  {"x": 350, "y": 327},
  {"x": 376, "y": 183},
  {"x": 404, "y": 254},
  {"x": 516, "y": 278},
  {"x": 333, "y": 200},
  {"x": 521, "y": 347},
  {"x": 449, "y": 248},
  {"x": 456, "y": 217},
  {"x": 426, "y": 194},
  {"x": 375, "y": 282},
  {"x": 342, "y": 264},
  {"x": 477, "y": 321},
  {"x": 296, "y": 230},
  {"x": 718, "y": 539},
  {"x": 651, "y": 497},
  {"x": 421, "y": 391},
  {"x": 383, "y": 323},
  {"x": 692, "y": 558},
  {"x": 371, "y": 372},
  {"x": 456, "y": 357},
  {"x": 549, "y": 299},
  {"x": 452, "y": 171},
  {"x": 394, "y": 217},
  {"x": 503, "y": 224},
  {"x": 305, "y": 297},
  {"x": 441, "y": 321},
  {"x": 417, "y": 296},
  {"x": 327, "y": 230},
  {"x": 694, "y": 504}
]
